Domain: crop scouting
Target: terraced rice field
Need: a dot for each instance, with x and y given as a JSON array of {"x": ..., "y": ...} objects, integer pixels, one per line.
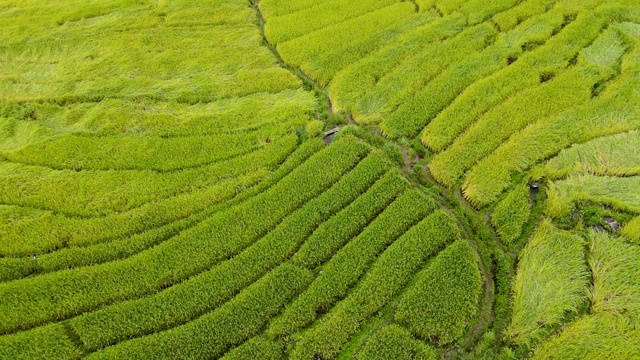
[{"x": 169, "y": 190}]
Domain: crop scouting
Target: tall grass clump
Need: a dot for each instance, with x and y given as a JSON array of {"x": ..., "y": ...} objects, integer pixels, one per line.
[
  {"x": 512, "y": 213},
  {"x": 550, "y": 287},
  {"x": 445, "y": 299}
]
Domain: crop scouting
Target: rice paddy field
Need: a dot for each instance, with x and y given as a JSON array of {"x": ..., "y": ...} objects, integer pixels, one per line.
[{"x": 328, "y": 179}]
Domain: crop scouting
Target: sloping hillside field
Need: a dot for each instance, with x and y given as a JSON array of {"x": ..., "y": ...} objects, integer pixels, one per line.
[{"x": 314, "y": 180}]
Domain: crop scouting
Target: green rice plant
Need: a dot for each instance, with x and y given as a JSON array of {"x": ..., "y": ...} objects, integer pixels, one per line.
[
  {"x": 134, "y": 152},
  {"x": 445, "y": 299},
  {"x": 512, "y": 213},
  {"x": 332, "y": 235},
  {"x": 570, "y": 88},
  {"x": 615, "y": 268},
  {"x": 611, "y": 155},
  {"x": 48, "y": 342},
  {"x": 395, "y": 342},
  {"x": 273, "y": 8},
  {"x": 621, "y": 193},
  {"x": 550, "y": 286},
  {"x": 189, "y": 69},
  {"x": 411, "y": 74},
  {"x": 175, "y": 306},
  {"x": 632, "y": 230},
  {"x": 282, "y": 28},
  {"x": 416, "y": 112},
  {"x": 610, "y": 113},
  {"x": 33, "y": 232},
  {"x": 509, "y": 19},
  {"x": 212, "y": 334},
  {"x": 343, "y": 270},
  {"x": 593, "y": 337},
  {"x": 256, "y": 348},
  {"x": 220, "y": 237},
  {"x": 169, "y": 118},
  {"x": 301, "y": 49},
  {"x": 101, "y": 193},
  {"x": 351, "y": 83},
  {"x": 325, "y": 65},
  {"x": 478, "y": 11},
  {"x": 551, "y": 57},
  {"x": 384, "y": 281}
]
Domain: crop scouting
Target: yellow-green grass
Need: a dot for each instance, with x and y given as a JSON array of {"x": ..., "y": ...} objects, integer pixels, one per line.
[
  {"x": 30, "y": 232},
  {"x": 615, "y": 268},
  {"x": 593, "y": 337},
  {"x": 596, "y": 64},
  {"x": 384, "y": 281},
  {"x": 512, "y": 213},
  {"x": 508, "y": 19},
  {"x": 344, "y": 269},
  {"x": 220, "y": 237},
  {"x": 212, "y": 334},
  {"x": 395, "y": 342},
  {"x": 352, "y": 82},
  {"x": 632, "y": 230},
  {"x": 301, "y": 49},
  {"x": 612, "y": 112},
  {"x": 551, "y": 57},
  {"x": 282, "y": 28},
  {"x": 256, "y": 348},
  {"x": 414, "y": 114},
  {"x": 550, "y": 286},
  {"x": 620, "y": 193},
  {"x": 411, "y": 74},
  {"x": 614, "y": 155},
  {"x": 126, "y": 320},
  {"x": 445, "y": 299},
  {"x": 325, "y": 65}
]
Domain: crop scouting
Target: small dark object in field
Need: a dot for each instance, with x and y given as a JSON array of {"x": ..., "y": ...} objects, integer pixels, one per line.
[
  {"x": 329, "y": 135},
  {"x": 534, "y": 187},
  {"x": 613, "y": 223}
]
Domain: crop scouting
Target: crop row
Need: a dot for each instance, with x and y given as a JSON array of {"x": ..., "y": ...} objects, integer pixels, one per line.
[
  {"x": 212, "y": 334},
  {"x": 345, "y": 268},
  {"x": 283, "y": 28},
  {"x": 130, "y": 67},
  {"x": 445, "y": 298},
  {"x": 395, "y": 342},
  {"x": 621, "y": 193},
  {"x": 525, "y": 71},
  {"x": 550, "y": 286},
  {"x": 223, "y": 235},
  {"x": 332, "y": 235},
  {"x": 351, "y": 83},
  {"x": 614, "y": 155},
  {"x": 424, "y": 105},
  {"x": 601, "y": 336},
  {"x": 386, "y": 278},
  {"x": 616, "y": 276},
  {"x": 100, "y": 193},
  {"x": 632, "y": 230},
  {"x": 301, "y": 49},
  {"x": 570, "y": 88},
  {"x": 411, "y": 74},
  {"x": 611, "y": 112},
  {"x": 508, "y": 19},
  {"x": 167, "y": 118},
  {"x": 35, "y": 233},
  {"x": 512, "y": 213},
  {"x": 328, "y": 63},
  {"x": 178, "y": 304}
]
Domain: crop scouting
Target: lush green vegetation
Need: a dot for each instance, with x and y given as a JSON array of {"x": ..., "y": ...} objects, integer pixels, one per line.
[
  {"x": 168, "y": 187},
  {"x": 551, "y": 285}
]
